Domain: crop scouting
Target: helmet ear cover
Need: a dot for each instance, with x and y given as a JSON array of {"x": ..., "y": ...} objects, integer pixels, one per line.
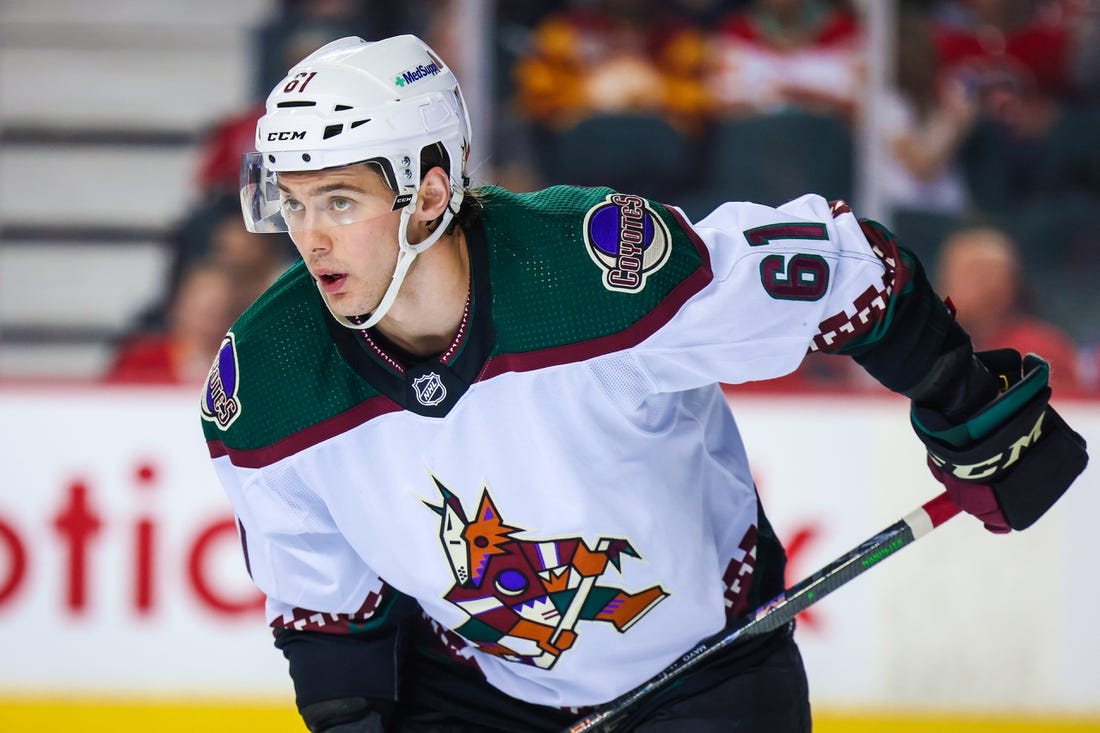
[{"x": 431, "y": 156}]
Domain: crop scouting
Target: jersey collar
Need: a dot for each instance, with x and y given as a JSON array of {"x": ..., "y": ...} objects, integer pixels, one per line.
[{"x": 432, "y": 386}]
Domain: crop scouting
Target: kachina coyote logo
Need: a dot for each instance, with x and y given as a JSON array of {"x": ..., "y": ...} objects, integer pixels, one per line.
[{"x": 526, "y": 597}]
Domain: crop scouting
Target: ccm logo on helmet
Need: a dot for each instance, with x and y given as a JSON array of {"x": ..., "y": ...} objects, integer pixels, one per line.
[{"x": 288, "y": 135}]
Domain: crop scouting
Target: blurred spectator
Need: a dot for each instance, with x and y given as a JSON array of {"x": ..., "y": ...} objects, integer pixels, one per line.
[
  {"x": 1015, "y": 59},
  {"x": 222, "y": 147},
  {"x": 707, "y": 13},
  {"x": 214, "y": 230},
  {"x": 924, "y": 122},
  {"x": 1085, "y": 58},
  {"x": 608, "y": 56},
  {"x": 252, "y": 261},
  {"x": 778, "y": 54},
  {"x": 198, "y": 317},
  {"x": 979, "y": 270},
  {"x": 600, "y": 82},
  {"x": 301, "y": 26},
  {"x": 1035, "y": 148},
  {"x": 996, "y": 46},
  {"x": 786, "y": 76}
]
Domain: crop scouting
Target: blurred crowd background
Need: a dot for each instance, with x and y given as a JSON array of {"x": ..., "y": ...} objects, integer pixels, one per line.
[{"x": 123, "y": 258}]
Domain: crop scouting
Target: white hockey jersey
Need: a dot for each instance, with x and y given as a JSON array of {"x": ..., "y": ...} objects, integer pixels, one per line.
[{"x": 564, "y": 490}]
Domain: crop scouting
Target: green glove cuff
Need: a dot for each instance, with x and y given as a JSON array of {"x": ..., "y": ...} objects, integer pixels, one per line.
[{"x": 1020, "y": 383}]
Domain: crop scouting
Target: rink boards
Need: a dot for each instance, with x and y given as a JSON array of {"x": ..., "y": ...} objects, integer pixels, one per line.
[{"x": 123, "y": 599}]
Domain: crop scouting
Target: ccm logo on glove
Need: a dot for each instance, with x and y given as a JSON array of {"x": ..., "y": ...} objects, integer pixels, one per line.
[
  {"x": 1012, "y": 459},
  {"x": 995, "y": 464}
]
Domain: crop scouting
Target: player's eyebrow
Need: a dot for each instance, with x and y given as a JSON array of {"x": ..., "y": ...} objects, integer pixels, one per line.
[{"x": 327, "y": 188}]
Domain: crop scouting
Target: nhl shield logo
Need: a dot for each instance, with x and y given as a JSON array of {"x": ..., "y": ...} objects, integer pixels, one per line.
[{"x": 429, "y": 389}]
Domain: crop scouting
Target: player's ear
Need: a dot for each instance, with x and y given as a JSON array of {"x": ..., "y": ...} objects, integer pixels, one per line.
[{"x": 434, "y": 194}]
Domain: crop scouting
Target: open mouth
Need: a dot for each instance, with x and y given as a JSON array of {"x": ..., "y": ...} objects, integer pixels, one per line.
[{"x": 331, "y": 282}]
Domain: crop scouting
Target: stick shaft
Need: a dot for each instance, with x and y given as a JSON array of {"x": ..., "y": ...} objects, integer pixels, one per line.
[{"x": 783, "y": 608}]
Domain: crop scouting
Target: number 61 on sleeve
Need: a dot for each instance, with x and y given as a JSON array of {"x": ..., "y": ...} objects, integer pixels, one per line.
[{"x": 791, "y": 277}]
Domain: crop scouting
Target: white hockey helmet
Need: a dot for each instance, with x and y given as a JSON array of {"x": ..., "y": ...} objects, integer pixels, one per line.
[{"x": 353, "y": 101}]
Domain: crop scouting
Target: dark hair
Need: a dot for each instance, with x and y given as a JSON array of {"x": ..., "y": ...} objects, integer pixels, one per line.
[{"x": 468, "y": 212}]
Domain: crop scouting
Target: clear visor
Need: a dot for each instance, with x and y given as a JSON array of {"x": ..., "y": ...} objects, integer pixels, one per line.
[{"x": 312, "y": 201}]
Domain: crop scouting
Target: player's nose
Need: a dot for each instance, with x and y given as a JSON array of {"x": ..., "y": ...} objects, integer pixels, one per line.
[{"x": 314, "y": 239}]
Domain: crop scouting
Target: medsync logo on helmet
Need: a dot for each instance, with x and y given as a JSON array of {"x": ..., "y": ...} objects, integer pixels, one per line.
[
  {"x": 627, "y": 239},
  {"x": 420, "y": 72}
]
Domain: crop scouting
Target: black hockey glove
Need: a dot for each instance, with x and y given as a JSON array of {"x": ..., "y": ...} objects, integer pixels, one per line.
[
  {"x": 1011, "y": 460},
  {"x": 347, "y": 715}
]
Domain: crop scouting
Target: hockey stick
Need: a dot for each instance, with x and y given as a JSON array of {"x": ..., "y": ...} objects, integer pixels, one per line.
[{"x": 783, "y": 608}]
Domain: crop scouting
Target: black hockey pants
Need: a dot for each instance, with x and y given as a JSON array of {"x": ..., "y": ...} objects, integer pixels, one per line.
[{"x": 755, "y": 687}]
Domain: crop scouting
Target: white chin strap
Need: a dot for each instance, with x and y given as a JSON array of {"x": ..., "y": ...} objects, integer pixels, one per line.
[{"x": 405, "y": 257}]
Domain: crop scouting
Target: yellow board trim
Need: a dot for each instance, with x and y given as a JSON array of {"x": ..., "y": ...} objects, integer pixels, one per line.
[
  {"x": 47, "y": 715},
  {"x": 913, "y": 722},
  {"x": 57, "y": 716}
]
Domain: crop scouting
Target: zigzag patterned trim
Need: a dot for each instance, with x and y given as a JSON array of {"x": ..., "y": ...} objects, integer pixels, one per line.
[
  {"x": 301, "y": 619},
  {"x": 737, "y": 579},
  {"x": 869, "y": 308}
]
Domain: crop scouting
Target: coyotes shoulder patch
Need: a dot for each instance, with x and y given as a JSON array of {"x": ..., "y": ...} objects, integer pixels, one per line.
[
  {"x": 220, "y": 404},
  {"x": 626, "y": 238}
]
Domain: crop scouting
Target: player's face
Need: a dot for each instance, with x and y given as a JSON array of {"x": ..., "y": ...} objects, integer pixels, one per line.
[{"x": 346, "y": 231}]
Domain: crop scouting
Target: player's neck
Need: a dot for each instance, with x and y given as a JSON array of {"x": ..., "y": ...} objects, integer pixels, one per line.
[{"x": 431, "y": 306}]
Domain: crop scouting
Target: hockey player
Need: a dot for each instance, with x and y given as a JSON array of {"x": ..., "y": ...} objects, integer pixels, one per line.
[{"x": 482, "y": 467}]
